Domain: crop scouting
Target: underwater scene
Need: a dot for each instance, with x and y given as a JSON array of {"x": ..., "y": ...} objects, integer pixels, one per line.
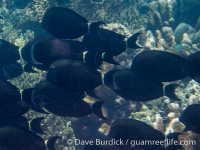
[{"x": 99, "y": 74}]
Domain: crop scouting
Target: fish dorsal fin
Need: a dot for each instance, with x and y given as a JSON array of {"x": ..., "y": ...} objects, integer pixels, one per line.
[{"x": 94, "y": 27}]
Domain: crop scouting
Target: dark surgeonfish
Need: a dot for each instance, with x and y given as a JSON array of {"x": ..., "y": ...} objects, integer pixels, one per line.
[
  {"x": 42, "y": 52},
  {"x": 132, "y": 132},
  {"x": 8, "y": 92},
  {"x": 74, "y": 76},
  {"x": 158, "y": 66},
  {"x": 135, "y": 130},
  {"x": 8, "y": 53},
  {"x": 26, "y": 95},
  {"x": 11, "y": 71},
  {"x": 68, "y": 108},
  {"x": 191, "y": 119},
  {"x": 45, "y": 93},
  {"x": 64, "y": 23},
  {"x": 65, "y": 104},
  {"x": 191, "y": 67},
  {"x": 108, "y": 42},
  {"x": 14, "y": 109},
  {"x": 169, "y": 91},
  {"x": 14, "y": 138},
  {"x": 130, "y": 87},
  {"x": 22, "y": 122}
]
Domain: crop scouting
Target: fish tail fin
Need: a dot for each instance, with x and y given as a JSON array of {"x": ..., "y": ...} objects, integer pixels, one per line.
[
  {"x": 131, "y": 41},
  {"x": 97, "y": 109},
  {"x": 108, "y": 78},
  {"x": 109, "y": 59},
  {"x": 94, "y": 27},
  {"x": 51, "y": 141},
  {"x": 26, "y": 95},
  {"x": 39, "y": 99},
  {"x": 94, "y": 59},
  {"x": 35, "y": 125}
]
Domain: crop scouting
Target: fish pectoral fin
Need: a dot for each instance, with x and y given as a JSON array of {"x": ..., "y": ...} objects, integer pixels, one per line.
[
  {"x": 109, "y": 59},
  {"x": 94, "y": 27},
  {"x": 28, "y": 68},
  {"x": 97, "y": 110},
  {"x": 50, "y": 142},
  {"x": 131, "y": 41},
  {"x": 35, "y": 125}
]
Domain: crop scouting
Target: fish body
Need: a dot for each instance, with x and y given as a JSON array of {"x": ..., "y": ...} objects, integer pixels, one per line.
[
  {"x": 11, "y": 71},
  {"x": 8, "y": 53},
  {"x": 18, "y": 139},
  {"x": 135, "y": 130},
  {"x": 130, "y": 87},
  {"x": 190, "y": 118},
  {"x": 64, "y": 23},
  {"x": 158, "y": 66},
  {"x": 42, "y": 52},
  {"x": 191, "y": 67},
  {"x": 73, "y": 76},
  {"x": 110, "y": 42}
]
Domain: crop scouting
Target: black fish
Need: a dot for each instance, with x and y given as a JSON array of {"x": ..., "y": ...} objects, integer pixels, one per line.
[
  {"x": 64, "y": 23},
  {"x": 27, "y": 97},
  {"x": 68, "y": 108},
  {"x": 130, "y": 87},
  {"x": 20, "y": 121},
  {"x": 42, "y": 52},
  {"x": 14, "y": 109},
  {"x": 169, "y": 91},
  {"x": 110, "y": 43},
  {"x": 74, "y": 76},
  {"x": 8, "y": 53},
  {"x": 45, "y": 93},
  {"x": 63, "y": 103},
  {"x": 8, "y": 93},
  {"x": 134, "y": 130},
  {"x": 11, "y": 71},
  {"x": 190, "y": 118},
  {"x": 191, "y": 67},
  {"x": 30, "y": 140},
  {"x": 158, "y": 66}
]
